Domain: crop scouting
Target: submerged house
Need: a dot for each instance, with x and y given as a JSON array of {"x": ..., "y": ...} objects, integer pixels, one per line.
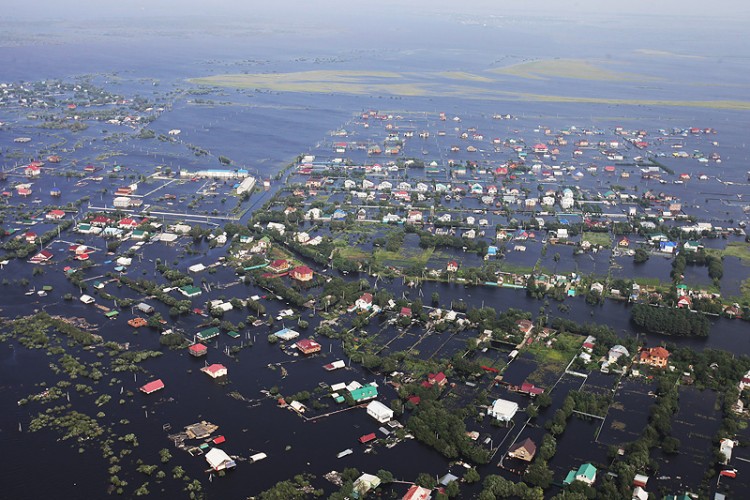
[{"x": 219, "y": 460}]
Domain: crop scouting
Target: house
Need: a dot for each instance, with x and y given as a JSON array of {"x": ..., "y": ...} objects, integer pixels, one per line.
[
  {"x": 503, "y": 410},
  {"x": 379, "y": 411},
  {"x": 275, "y": 226},
  {"x": 616, "y": 352},
  {"x": 139, "y": 235},
  {"x": 32, "y": 171},
  {"x": 364, "y": 302},
  {"x": 530, "y": 389},
  {"x": 438, "y": 379},
  {"x": 198, "y": 350},
  {"x": 414, "y": 216},
  {"x": 55, "y": 215},
  {"x": 667, "y": 246},
  {"x": 405, "y": 312},
  {"x": 302, "y": 273},
  {"x": 196, "y": 268},
  {"x": 655, "y": 356},
  {"x": 286, "y": 334},
  {"x": 279, "y": 266},
  {"x": 417, "y": 492},
  {"x": 363, "y": 484},
  {"x": 586, "y": 473},
  {"x": 364, "y": 393},
  {"x": 525, "y": 326},
  {"x": 597, "y": 287},
  {"x": 684, "y": 302},
  {"x": 215, "y": 370},
  {"x": 127, "y": 223},
  {"x": 307, "y": 346},
  {"x": 42, "y": 256},
  {"x": 153, "y": 386},
  {"x": 525, "y": 450},
  {"x": 452, "y": 266},
  {"x": 725, "y": 448},
  {"x": 190, "y": 291},
  {"x": 219, "y": 460}
]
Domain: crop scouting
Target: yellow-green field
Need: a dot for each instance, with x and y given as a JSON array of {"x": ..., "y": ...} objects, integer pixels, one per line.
[
  {"x": 472, "y": 86},
  {"x": 567, "y": 68},
  {"x": 461, "y": 75}
]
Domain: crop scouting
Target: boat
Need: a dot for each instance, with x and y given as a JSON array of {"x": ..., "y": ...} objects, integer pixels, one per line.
[
  {"x": 41, "y": 293},
  {"x": 31, "y": 292},
  {"x": 731, "y": 473},
  {"x": 344, "y": 453}
]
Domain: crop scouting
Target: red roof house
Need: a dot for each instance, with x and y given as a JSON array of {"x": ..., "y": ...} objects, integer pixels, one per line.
[
  {"x": 302, "y": 273},
  {"x": 406, "y": 312},
  {"x": 198, "y": 350},
  {"x": 531, "y": 389},
  {"x": 127, "y": 223},
  {"x": 153, "y": 386},
  {"x": 655, "y": 356},
  {"x": 307, "y": 346},
  {"x": 55, "y": 214},
  {"x": 438, "y": 379},
  {"x": 215, "y": 370},
  {"x": 417, "y": 492},
  {"x": 101, "y": 220},
  {"x": 452, "y": 266}
]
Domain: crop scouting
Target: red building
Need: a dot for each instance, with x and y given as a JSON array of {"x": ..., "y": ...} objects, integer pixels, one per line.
[
  {"x": 307, "y": 346},
  {"x": 198, "y": 350},
  {"x": 302, "y": 273},
  {"x": 154, "y": 386}
]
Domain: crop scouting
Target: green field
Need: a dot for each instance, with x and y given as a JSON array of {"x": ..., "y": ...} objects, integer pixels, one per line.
[
  {"x": 601, "y": 239},
  {"x": 404, "y": 258}
]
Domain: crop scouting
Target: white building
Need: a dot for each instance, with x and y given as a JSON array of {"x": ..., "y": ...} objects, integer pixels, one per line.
[
  {"x": 219, "y": 460},
  {"x": 379, "y": 411},
  {"x": 503, "y": 410},
  {"x": 122, "y": 202}
]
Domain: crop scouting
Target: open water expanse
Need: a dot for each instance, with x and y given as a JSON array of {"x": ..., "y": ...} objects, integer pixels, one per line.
[{"x": 264, "y": 130}]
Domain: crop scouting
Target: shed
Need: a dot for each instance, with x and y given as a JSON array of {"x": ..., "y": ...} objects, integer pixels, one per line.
[{"x": 145, "y": 308}]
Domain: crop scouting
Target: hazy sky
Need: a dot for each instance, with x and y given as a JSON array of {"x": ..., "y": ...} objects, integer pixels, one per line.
[{"x": 314, "y": 10}]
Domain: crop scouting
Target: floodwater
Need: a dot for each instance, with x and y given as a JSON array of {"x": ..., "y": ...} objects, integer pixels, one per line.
[{"x": 266, "y": 130}]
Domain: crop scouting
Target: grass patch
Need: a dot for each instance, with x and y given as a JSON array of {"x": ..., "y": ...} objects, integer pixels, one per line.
[
  {"x": 461, "y": 75},
  {"x": 737, "y": 249},
  {"x": 567, "y": 68},
  {"x": 553, "y": 360},
  {"x": 404, "y": 258},
  {"x": 352, "y": 253},
  {"x": 601, "y": 239}
]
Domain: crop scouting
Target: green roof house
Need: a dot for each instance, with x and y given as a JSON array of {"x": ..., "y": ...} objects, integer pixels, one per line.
[
  {"x": 190, "y": 291},
  {"x": 364, "y": 393},
  {"x": 586, "y": 473},
  {"x": 208, "y": 333}
]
